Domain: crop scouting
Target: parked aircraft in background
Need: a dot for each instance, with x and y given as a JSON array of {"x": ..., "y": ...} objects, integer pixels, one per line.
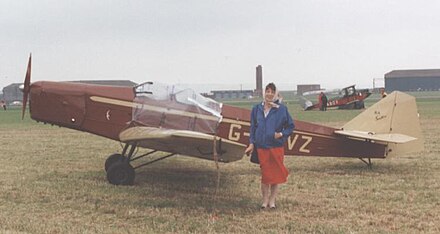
[
  {"x": 347, "y": 98},
  {"x": 180, "y": 121}
]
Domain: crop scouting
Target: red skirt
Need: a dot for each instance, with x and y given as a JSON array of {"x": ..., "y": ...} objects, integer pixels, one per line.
[{"x": 272, "y": 166}]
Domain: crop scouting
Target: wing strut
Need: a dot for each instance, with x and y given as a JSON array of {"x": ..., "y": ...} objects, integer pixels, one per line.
[{"x": 155, "y": 160}]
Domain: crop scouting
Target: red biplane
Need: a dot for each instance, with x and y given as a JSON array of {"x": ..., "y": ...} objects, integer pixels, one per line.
[
  {"x": 180, "y": 121},
  {"x": 348, "y": 98}
]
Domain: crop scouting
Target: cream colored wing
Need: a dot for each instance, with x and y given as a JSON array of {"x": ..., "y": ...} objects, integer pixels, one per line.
[
  {"x": 384, "y": 137},
  {"x": 184, "y": 142}
]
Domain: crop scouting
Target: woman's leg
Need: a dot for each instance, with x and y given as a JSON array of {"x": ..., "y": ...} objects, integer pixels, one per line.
[
  {"x": 265, "y": 192},
  {"x": 273, "y": 194}
]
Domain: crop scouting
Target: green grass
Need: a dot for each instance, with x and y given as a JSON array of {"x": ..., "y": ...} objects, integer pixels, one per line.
[{"x": 52, "y": 180}]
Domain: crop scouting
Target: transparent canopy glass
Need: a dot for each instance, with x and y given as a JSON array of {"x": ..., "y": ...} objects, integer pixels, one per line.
[{"x": 174, "y": 107}]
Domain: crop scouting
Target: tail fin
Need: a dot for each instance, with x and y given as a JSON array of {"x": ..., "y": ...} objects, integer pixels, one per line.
[
  {"x": 394, "y": 114},
  {"x": 305, "y": 104}
]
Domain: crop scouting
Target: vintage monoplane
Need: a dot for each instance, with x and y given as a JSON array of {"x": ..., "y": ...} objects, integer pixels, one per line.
[
  {"x": 347, "y": 98},
  {"x": 164, "y": 118}
]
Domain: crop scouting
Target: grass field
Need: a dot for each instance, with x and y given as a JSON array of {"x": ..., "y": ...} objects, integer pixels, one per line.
[{"x": 52, "y": 180}]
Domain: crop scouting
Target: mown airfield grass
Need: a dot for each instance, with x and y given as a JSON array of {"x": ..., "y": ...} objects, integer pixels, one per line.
[{"x": 52, "y": 181}]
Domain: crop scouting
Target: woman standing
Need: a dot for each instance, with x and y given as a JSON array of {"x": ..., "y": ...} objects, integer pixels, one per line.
[{"x": 271, "y": 125}]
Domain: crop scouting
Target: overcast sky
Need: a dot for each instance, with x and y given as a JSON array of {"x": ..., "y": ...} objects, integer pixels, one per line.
[{"x": 334, "y": 43}]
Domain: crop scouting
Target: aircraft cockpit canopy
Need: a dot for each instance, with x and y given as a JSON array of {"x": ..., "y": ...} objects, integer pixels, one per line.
[{"x": 175, "y": 107}]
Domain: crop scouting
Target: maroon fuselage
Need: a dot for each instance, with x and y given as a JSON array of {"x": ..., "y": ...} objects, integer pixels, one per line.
[{"x": 78, "y": 106}]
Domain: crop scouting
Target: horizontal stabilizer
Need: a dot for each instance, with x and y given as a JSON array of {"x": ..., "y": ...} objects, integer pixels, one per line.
[
  {"x": 385, "y": 137},
  {"x": 184, "y": 142}
]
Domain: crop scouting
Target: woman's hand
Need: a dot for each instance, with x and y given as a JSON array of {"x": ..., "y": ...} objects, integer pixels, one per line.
[
  {"x": 249, "y": 149},
  {"x": 278, "y": 135}
]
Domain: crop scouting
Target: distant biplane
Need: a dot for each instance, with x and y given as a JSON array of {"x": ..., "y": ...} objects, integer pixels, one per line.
[
  {"x": 180, "y": 121},
  {"x": 348, "y": 98}
]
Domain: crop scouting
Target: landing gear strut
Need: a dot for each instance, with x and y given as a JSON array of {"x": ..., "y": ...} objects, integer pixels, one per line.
[{"x": 118, "y": 167}]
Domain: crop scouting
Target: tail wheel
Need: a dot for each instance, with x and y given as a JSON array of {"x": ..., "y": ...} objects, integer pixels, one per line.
[
  {"x": 112, "y": 159},
  {"x": 120, "y": 173}
]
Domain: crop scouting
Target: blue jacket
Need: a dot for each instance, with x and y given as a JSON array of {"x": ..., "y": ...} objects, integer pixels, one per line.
[{"x": 262, "y": 130}]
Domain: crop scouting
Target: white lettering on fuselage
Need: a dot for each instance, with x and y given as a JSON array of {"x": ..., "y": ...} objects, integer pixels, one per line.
[
  {"x": 235, "y": 135},
  {"x": 291, "y": 142},
  {"x": 303, "y": 147}
]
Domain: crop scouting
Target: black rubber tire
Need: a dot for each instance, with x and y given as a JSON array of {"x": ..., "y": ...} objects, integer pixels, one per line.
[
  {"x": 349, "y": 106},
  {"x": 112, "y": 159},
  {"x": 359, "y": 105},
  {"x": 121, "y": 173}
]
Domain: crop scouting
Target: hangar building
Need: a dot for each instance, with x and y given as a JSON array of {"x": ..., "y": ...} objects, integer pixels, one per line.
[
  {"x": 413, "y": 80},
  {"x": 231, "y": 94},
  {"x": 12, "y": 93}
]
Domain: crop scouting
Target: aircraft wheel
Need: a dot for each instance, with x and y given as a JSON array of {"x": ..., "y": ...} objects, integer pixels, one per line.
[
  {"x": 120, "y": 173},
  {"x": 359, "y": 105},
  {"x": 112, "y": 159},
  {"x": 349, "y": 106}
]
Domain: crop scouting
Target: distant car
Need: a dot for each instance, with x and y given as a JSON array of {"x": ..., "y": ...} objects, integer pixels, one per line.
[{"x": 16, "y": 103}]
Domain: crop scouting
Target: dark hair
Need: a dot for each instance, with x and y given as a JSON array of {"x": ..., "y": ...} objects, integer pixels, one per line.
[{"x": 271, "y": 86}]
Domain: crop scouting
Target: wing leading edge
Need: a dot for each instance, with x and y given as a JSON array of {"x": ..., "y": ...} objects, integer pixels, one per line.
[{"x": 183, "y": 142}]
